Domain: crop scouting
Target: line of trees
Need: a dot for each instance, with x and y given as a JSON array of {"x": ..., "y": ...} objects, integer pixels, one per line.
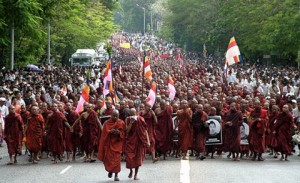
[
  {"x": 260, "y": 27},
  {"x": 74, "y": 24}
]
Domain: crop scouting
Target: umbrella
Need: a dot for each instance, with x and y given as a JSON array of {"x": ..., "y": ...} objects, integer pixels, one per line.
[{"x": 34, "y": 68}]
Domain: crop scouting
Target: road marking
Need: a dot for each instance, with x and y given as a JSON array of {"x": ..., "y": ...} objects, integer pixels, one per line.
[
  {"x": 185, "y": 171},
  {"x": 65, "y": 170}
]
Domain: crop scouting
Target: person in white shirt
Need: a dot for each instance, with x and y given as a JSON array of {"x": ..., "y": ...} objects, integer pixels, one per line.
[
  {"x": 265, "y": 86},
  {"x": 3, "y": 114},
  {"x": 288, "y": 89}
]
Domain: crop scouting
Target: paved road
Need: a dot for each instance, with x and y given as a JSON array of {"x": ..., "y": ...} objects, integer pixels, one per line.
[{"x": 221, "y": 170}]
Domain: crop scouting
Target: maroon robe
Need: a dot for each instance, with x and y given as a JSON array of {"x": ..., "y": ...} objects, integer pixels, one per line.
[
  {"x": 271, "y": 140},
  {"x": 257, "y": 130},
  {"x": 13, "y": 128},
  {"x": 91, "y": 132},
  {"x": 200, "y": 131},
  {"x": 185, "y": 130},
  {"x": 34, "y": 133},
  {"x": 283, "y": 131},
  {"x": 149, "y": 119},
  {"x": 55, "y": 129},
  {"x": 232, "y": 134},
  {"x": 164, "y": 131},
  {"x": 72, "y": 140},
  {"x": 110, "y": 145},
  {"x": 135, "y": 143}
]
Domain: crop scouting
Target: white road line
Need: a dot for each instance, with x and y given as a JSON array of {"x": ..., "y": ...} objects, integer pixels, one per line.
[
  {"x": 185, "y": 171},
  {"x": 65, "y": 170}
]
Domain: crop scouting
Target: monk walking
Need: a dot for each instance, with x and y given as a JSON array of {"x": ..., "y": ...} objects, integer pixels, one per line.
[
  {"x": 151, "y": 121},
  {"x": 232, "y": 135},
  {"x": 185, "y": 129},
  {"x": 34, "y": 133},
  {"x": 111, "y": 144},
  {"x": 164, "y": 129},
  {"x": 12, "y": 131},
  {"x": 258, "y": 122},
  {"x": 201, "y": 131},
  {"x": 282, "y": 131},
  {"x": 55, "y": 126},
  {"x": 91, "y": 126},
  {"x": 137, "y": 141}
]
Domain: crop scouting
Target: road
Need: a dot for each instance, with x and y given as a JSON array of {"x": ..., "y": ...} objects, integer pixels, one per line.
[{"x": 220, "y": 169}]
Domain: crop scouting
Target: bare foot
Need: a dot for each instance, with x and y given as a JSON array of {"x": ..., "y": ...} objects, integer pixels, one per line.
[
  {"x": 68, "y": 161},
  {"x": 136, "y": 178},
  {"x": 54, "y": 162},
  {"x": 10, "y": 163},
  {"x": 116, "y": 179},
  {"x": 130, "y": 175},
  {"x": 184, "y": 158},
  {"x": 15, "y": 161},
  {"x": 155, "y": 160},
  {"x": 109, "y": 175},
  {"x": 35, "y": 162}
]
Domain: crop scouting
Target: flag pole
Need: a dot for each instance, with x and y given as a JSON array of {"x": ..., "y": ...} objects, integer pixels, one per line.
[{"x": 143, "y": 81}]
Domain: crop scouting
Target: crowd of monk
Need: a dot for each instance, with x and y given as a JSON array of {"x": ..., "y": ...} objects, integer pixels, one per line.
[{"x": 38, "y": 113}]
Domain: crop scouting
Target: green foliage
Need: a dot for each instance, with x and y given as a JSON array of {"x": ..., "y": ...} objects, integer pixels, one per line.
[
  {"x": 74, "y": 24},
  {"x": 260, "y": 27}
]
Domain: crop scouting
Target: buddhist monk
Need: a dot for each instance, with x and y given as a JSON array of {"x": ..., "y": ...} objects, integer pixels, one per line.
[
  {"x": 201, "y": 131},
  {"x": 137, "y": 140},
  {"x": 34, "y": 133},
  {"x": 164, "y": 128},
  {"x": 258, "y": 122},
  {"x": 12, "y": 130},
  {"x": 72, "y": 140},
  {"x": 55, "y": 126},
  {"x": 282, "y": 131},
  {"x": 111, "y": 144},
  {"x": 90, "y": 135},
  {"x": 271, "y": 140},
  {"x": 232, "y": 135},
  {"x": 185, "y": 129},
  {"x": 151, "y": 121}
]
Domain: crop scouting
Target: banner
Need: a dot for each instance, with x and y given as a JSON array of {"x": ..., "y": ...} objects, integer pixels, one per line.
[
  {"x": 244, "y": 132},
  {"x": 215, "y": 130}
]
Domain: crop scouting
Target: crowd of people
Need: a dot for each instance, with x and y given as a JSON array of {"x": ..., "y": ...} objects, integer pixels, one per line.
[{"x": 38, "y": 109}]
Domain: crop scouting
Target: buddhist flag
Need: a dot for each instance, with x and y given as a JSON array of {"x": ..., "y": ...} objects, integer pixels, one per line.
[
  {"x": 147, "y": 70},
  {"x": 83, "y": 98},
  {"x": 107, "y": 81},
  {"x": 125, "y": 45},
  {"x": 152, "y": 94},
  {"x": 233, "y": 52},
  {"x": 117, "y": 96},
  {"x": 172, "y": 90}
]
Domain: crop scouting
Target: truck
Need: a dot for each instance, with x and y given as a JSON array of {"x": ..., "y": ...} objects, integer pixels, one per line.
[{"x": 84, "y": 57}]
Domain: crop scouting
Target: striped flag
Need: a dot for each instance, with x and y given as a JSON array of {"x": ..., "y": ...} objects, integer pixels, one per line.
[
  {"x": 147, "y": 70},
  {"x": 107, "y": 81},
  {"x": 233, "y": 52},
  {"x": 232, "y": 55},
  {"x": 83, "y": 98},
  {"x": 172, "y": 90},
  {"x": 152, "y": 94}
]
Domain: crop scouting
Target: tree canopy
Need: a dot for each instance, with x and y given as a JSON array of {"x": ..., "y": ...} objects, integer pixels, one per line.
[{"x": 74, "y": 24}]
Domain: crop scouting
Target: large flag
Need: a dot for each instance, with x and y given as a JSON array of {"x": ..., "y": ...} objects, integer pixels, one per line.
[
  {"x": 147, "y": 70},
  {"x": 172, "y": 90},
  {"x": 233, "y": 52},
  {"x": 107, "y": 81},
  {"x": 83, "y": 98},
  {"x": 152, "y": 94}
]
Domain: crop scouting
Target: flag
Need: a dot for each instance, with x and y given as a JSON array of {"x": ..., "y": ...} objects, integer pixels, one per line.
[
  {"x": 107, "y": 81},
  {"x": 172, "y": 90},
  {"x": 83, "y": 98},
  {"x": 152, "y": 94},
  {"x": 125, "y": 45},
  {"x": 233, "y": 53},
  {"x": 147, "y": 70},
  {"x": 204, "y": 51},
  {"x": 117, "y": 96}
]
